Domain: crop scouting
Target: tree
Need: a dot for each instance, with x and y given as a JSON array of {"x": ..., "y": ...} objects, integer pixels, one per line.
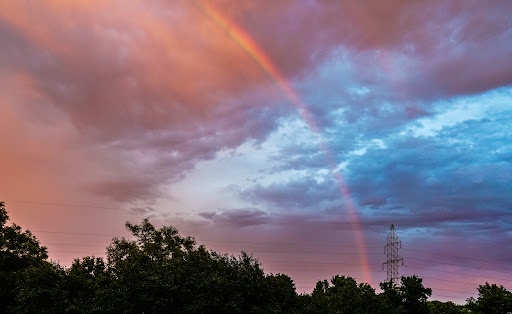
[
  {"x": 391, "y": 298},
  {"x": 41, "y": 289},
  {"x": 414, "y": 295},
  {"x": 345, "y": 295},
  {"x": 145, "y": 270},
  {"x": 161, "y": 271},
  {"x": 409, "y": 297},
  {"x": 19, "y": 251},
  {"x": 281, "y": 295},
  {"x": 88, "y": 285},
  {"x": 438, "y": 307},
  {"x": 491, "y": 299}
]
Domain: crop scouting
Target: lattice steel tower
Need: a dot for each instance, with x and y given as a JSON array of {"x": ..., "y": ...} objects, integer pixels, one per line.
[{"x": 391, "y": 250}]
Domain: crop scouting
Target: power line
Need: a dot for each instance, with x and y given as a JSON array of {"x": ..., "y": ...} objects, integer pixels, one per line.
[
  {"x": 297, "y": 244},
  {"x": 321, "y": 263},
  {"x": 456, "y": 256},
  {"x": 178, "y": 214},
  {"x": 196, "y": 214},
  {"x": 302, "y": 252},
  {"x": 337, "y": 253},
  {"x": 325, "y": 263},
  {"x": 65, "y": 205},
  {"x": 76, "y": 233},
  {"x": 298, "y": 262},
  {"x": 446, "y": 296},
  {"x": 329, "y": 270},
  {"x": 45, "y": 244},
  {"x": 459, "y": 265},
  {"x": 288, "y": 243},
  {"x": 315, "y": 270},
  {"x": 286, "y": 252},
  {"x": 332, "y": 263},
  {"x": 296, "y": 252},
  {"x": 457, "y": 273},
  {"x": 280, "y": 243},
  {"x": 237, "y": 242},
  {"x": 449, "y": 280},
  {"x": 456, "y": 291},
  {"x": 77, "y": 252}
]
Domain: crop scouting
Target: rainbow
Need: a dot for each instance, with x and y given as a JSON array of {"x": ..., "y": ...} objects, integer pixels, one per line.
[{"x": 245, "y": 41}]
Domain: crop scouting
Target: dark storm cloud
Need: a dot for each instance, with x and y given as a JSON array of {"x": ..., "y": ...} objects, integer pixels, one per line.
[
  {"x": 460, "y": 178},
  {"x": 465, "y": 168},
  {"x": 450, "y": 47}
]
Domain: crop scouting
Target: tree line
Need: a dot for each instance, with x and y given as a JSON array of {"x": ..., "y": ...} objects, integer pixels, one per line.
[{"x": 161, "y": 271}]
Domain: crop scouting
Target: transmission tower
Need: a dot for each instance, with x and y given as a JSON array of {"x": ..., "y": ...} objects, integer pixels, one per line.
[{"x": 391, "y": 250}]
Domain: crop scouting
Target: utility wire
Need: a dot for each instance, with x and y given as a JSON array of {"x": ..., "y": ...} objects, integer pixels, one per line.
[
  {"x": 289, "y": 243},
  {"x": 456, "y": 256},
  {"x": 65, "y": 205},
  {"x": 305, "y": 252},
  {"x": 457, "y": 273},
  {"x": 191, "y": 214},
  {"x": 458, "y": 265}
]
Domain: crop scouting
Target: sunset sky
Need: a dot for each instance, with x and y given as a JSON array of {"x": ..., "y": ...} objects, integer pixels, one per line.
[{"x": 295, "y": 130}]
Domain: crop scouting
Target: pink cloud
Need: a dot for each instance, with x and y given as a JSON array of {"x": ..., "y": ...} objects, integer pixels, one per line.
[
  {"x": 450, "y": 48},
  {"x": 161, "y": 87},
  {"x": 148, "y": 89}
]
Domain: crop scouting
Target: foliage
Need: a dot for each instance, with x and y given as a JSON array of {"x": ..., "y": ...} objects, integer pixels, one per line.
[
  {"x": 40, "y": 290},
  {"x": 409, "y": 297},
  {"x": 438, "y": 307},
  {"x": 391, "y": 298},
  {"x": 19, "y": 253},
  {"x": 343, "y": 296},
  {"x": 88, "y": 286},
  {"x": 173, "y": 274},
  {"x": 491, "y": 299},
  {"x": 414, "y": 295},
  {"x": 159, "y": 271}
]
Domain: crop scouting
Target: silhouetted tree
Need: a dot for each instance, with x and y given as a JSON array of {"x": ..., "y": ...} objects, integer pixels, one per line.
[
  {"x": 19, "y": 253},
  {"x": 391, "y": 298},
  {"x": 409, "y": 297},
  {"x": 438, "y": 307},
  {"x": 161, "y": 271},
  {"x": 414, "y": 295},
  {"x": 41, "y": 290},
  {"x": 88, "y": 286},
  {"x": 343, "y": 296},
  {"x": 491, "y": 299},
  {"x": 281, "y": 295}
]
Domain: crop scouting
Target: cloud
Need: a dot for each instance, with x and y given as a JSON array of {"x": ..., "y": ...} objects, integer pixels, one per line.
[
  {"x": 404, "y": 40},
  {"x": 160, "y": 86},
  {"x": 457, "y": 178},
  {"x": 238, "y": 218},
  {"x": 151, "y": 59},
  {"x": 460, "y": 177},
  {"x": 148, "y": 91},
  {"x": 295, "y": 195},
  {"x": 425, "y": 49}
]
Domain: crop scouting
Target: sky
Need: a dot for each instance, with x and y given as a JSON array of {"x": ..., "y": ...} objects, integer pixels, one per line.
[{"x": 298, "y": 131}]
